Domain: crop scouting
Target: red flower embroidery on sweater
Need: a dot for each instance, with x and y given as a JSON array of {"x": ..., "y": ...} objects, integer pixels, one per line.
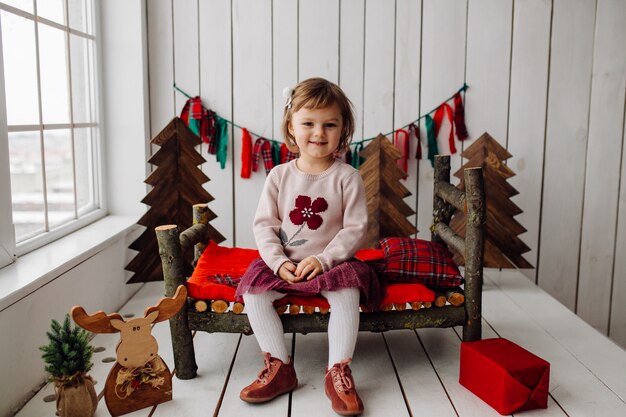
[{"x": 307, "y": 211}]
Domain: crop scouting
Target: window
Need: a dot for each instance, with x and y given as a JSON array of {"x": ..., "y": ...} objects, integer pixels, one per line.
[{"x": 52, "y": 121}]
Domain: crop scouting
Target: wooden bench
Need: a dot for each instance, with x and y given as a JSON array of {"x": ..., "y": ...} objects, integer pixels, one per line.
[{"x": 447, "y": 199}]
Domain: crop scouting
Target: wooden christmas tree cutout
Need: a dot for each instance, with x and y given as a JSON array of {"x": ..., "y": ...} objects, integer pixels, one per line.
[
  {"x": 177, "y": 185},
  {"x": 503, "y": 248},
  {"x": 386, "y": 210}
]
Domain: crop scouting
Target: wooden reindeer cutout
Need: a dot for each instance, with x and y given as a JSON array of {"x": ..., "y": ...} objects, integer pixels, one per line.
[{"x": 139, "y": 378}]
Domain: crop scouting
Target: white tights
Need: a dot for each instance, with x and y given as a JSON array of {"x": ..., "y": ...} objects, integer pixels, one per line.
[{"x": 343, "y": 325}]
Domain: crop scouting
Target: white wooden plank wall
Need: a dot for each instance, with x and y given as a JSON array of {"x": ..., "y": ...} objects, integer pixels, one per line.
[
  {"x": 565, "y": 146},
  {"x": 216, "y": 91},
  {"x": 407, "y": 83},
  {"x": 527, "y": 112},
  {"x": 603, "y": 165},
  {"x": 547, "y": 79}
]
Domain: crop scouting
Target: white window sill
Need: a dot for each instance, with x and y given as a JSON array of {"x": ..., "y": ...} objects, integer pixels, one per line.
[{"x": 37, "y": 268}]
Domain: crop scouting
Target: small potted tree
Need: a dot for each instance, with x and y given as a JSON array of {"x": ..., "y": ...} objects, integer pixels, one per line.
[{"x": 68, "y": 359}]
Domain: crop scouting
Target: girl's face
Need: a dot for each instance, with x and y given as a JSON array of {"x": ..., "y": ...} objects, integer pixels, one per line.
[{"x": 317, "y": 132}]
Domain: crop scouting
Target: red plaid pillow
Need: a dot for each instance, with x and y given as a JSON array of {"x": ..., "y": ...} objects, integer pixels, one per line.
[{"x": 419, "y": 261}]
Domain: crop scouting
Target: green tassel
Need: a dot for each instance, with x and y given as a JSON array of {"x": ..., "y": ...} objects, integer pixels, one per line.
[
  {"x": 194, "y": 126},
  {"x": 353, "y": 156},
  {"x": 433, "y": 149},
  {"x": 356, "y": 157},
  {"x": 275, "y": 153},
  {"x": 222, "y": 141}
]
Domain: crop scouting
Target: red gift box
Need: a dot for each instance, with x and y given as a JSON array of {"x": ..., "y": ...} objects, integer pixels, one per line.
[{"x": 504, "y": 375}]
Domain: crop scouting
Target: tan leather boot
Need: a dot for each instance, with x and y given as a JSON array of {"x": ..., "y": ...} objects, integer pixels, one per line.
[
  {"x": 339, "y": 387},
  {"x": 275, "y": 379}
]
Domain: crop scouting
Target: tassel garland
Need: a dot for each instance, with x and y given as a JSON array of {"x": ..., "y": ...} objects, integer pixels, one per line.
[{"x": 213, "y": 130}]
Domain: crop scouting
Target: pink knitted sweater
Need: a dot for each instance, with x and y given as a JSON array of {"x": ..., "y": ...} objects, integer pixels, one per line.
[{"x": 300, "y": 214}]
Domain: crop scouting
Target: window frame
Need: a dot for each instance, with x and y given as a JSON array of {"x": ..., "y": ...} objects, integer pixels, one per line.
[
  {"x": 10, "y": 250},
  {"x": 7, "y": 238}
]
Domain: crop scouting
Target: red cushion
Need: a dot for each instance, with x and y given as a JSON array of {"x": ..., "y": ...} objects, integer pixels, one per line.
[
  {"x": 233, "y": 262},
  {"x": 370, "y": 254},
  {"x": 419, "y": 261},
  {"x": 220, "y": 260},
  {"x": 504, "y": 375},
  {"x": 219, "y": 270},
  {"x": 203, "y": 289}
]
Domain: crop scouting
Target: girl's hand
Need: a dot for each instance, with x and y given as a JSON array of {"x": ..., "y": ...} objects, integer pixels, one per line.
[
  {"x": 285, "y": 272},
  {"x": 308, "y": 268}
]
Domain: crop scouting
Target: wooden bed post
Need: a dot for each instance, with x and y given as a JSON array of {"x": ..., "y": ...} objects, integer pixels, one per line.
[
  {"x": 201, "y": 214},
  {"x": 442, "y": 173},
  {"x": 174, "y": 275},
  {"x": 474, "y": 252}
]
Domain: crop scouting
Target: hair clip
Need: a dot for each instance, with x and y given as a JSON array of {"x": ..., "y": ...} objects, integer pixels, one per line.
[{"x": 288, "y": 94}]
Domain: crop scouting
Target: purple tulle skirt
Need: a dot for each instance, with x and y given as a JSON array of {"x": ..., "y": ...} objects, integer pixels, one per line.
[{"x": 350, "y": 274}]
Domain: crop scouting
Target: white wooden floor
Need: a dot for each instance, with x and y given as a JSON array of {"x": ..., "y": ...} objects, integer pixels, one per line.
[{"x": 397, "y": 373}]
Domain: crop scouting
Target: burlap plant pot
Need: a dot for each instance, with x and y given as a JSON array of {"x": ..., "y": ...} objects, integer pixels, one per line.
[{"x": 76, "y": 398}]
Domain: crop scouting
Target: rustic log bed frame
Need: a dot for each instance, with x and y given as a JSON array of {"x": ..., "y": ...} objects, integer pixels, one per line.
[{"x": 447, "y": 199}]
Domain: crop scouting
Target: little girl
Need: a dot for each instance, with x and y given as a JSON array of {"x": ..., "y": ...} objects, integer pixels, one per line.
[{"x": 310, "y": 221}]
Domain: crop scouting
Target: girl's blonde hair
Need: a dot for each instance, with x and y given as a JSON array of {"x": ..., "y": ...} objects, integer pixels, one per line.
[{"x": 318, "y": 93}]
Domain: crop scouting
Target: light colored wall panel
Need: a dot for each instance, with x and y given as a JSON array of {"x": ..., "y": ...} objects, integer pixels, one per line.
[
  {"x": 603, "y": 165},
  {"x": 161, "y": 61},
  {"x": 351, "y": 55},
  {"x": 566, "y": 145},
  {"x": 527, "y": 114},
  {"x": 488, "y": 68},
  {"x": 186, "y": 59},
  {"x": 252, "y": 100},
  {"x": 443, "y": 72},
  {"x": 378, "y": 91},
  {"x": 318, "y": 35},
  {"x": 407, "y": 83},
  {"x": 285, "y": 45},
  {"x": 216, "y": 92},
  {"x": 617, "y": 328}
]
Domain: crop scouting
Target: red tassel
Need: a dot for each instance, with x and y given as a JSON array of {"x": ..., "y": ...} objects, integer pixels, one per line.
[
  {"x": 246, "y": 153},
  {"x": 256, "y": 153},
  {"x": 196, "y": 108},
  {"x": 205, "y": 126},
  {"x": 459, "y": 117},
  {"x": 291, "y": 155},
  {"x": 445, "y": 107},
  {"x": 403, "y": 147},
  {"x": 286, "y": 155},
  {"x": 208, "y": 127},
  {"x": 266, "y": 153},
  {"x": 184, "y": 114},
  {"x": 283, "y": 153},
  {"x": 415, "y": 130}
]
